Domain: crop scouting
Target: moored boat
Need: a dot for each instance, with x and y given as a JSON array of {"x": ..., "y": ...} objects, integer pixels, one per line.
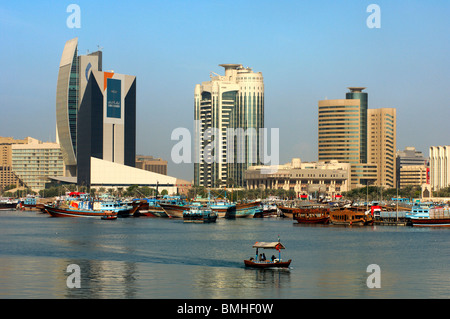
[
  {"x": 260, "y": 261},
  {"x": 313, "y": 217},
  {"x": 247, "y": 210},
  {"x": 89, "y": 209},
  {"x": 223, "y": 208},
  {"x": 149, "y": 208},
  {"x": 350, "y": 218},
  {"x": 199, "y": 214},
  {"x": 174, "y": 211},
  {"x": 8, "y": 203},
  {"x": 434, "y": 217}
]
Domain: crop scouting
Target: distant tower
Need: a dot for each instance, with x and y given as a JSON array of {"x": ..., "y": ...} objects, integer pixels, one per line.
[{"x": 232, "y": 101}]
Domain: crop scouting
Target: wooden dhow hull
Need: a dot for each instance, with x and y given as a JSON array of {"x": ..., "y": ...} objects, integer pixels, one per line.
[
  {"x": 312, "y": 220},
  {"x": 247, "y": 210},
  {"x": 174, "y": 211},
  {"x": 60, "y": 212},
  {"x": 430, "y": 222}
]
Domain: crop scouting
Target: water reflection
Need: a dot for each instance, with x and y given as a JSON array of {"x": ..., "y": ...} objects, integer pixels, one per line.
[
  {"x": 104, "y": 279},
  {"x": 218, "y": 282}
]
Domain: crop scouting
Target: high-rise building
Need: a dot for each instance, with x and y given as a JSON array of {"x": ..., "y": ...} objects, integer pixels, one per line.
[
  {"x": 381, "y": 144},
  {"x": 439, "y": 167},
  {"x": 342, "y": 132},
  {"x": 95, "y": 113},
  {"x": 233, "y": 101},
  {"x": 74, "y": 71},
  {"x": 106, "y": 122}
]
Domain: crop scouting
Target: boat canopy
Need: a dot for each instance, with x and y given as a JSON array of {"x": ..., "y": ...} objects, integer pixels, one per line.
[{"x": 269, "y": 245}]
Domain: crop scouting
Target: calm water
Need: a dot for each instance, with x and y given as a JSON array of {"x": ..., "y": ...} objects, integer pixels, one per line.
[{"x": 162, "y": 258}]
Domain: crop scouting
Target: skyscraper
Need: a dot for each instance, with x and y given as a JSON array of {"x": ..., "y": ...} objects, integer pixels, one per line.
[
  {"x": 223, "y": 105},
  {"x": 342, "y": 132},
  {"x": 95, "y": 113},
  {"x": 73, "y": 75},
  {"x": 106, "y": 123},
  {"x": 381, "y": 137}
]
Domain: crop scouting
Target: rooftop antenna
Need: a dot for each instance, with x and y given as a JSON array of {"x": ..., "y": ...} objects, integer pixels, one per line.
[{"x": 99, "y": 47}]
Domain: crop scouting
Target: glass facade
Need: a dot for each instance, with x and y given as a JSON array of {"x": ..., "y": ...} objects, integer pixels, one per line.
[
  {"x": 235, "y": 101},
  {"x": 363, "y": 105},
  {"x": 72, "y": 102}
]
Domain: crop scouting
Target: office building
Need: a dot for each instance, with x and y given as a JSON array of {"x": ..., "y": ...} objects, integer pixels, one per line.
[
  {"x": 331, "y": 178},
  {"x": 231, "y": 101},
  {"x": 95, "y": 113},
  {"x": 381, "y": 142},
  {"x": 74, "y": 72},
  {"x": 106, "y": 122},
  {"x": 33, "y": 162},
  {"x": 342, "y": 131},
  {"x": 439, "y": 167},
  {"x": 149, "y": 163},
  {"x": 412, "y": 167},
  {"x": 413, "y": 175}
]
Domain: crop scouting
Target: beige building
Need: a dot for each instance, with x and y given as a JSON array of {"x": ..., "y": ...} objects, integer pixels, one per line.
[
  {"x": 339, "y": 130},
  {"x": 413, "y": 175},
  {"x": 302, "y": 177},
  {"x": 342, "y": 131},
  {"x": 381, "y": 144},
  {"x": 7, "y": 175},
  {"x": 34, "y": 161},
  {"x": 439, "y": 167},
  {"x": 149, "y": 163}
]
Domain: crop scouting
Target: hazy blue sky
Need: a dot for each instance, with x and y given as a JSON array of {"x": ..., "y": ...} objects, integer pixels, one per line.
[{"x": 306, "y": 50}]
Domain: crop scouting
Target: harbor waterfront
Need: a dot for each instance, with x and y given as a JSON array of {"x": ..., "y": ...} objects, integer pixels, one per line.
[{"x": 163, "y": 258}]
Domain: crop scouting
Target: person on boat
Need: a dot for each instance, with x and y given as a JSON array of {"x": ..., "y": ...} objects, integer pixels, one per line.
[
  {"x": 273, "y": 258},
  {"x": 264, "y": 256}
]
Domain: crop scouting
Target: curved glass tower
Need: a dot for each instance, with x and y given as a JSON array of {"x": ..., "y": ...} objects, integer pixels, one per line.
[
  {"x": 74, "y": 71},
  {"x": 67, "y": 105}
]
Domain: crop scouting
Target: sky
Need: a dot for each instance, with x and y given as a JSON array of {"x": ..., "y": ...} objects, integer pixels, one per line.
[{"x": 306, "y": 50}]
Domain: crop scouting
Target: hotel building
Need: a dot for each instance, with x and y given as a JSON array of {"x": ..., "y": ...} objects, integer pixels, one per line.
[
  {"x": 231, "y": 101},
  {"x": 34, "y": 161}
]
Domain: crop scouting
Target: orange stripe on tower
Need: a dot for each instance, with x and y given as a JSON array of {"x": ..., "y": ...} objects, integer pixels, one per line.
[{"x": 106, "y": 75}]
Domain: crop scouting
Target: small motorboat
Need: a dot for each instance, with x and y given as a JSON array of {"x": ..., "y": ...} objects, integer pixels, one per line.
[{"x": 261, "y": 262}]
